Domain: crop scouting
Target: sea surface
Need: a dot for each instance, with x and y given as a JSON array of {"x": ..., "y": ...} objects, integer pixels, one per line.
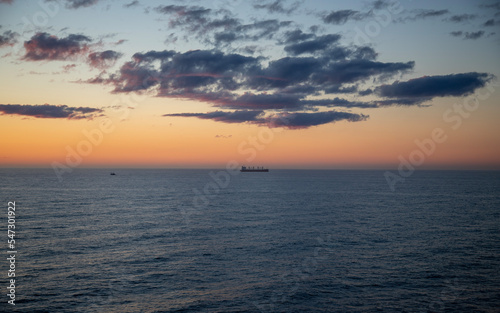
[{"x": 283, "y": 241}]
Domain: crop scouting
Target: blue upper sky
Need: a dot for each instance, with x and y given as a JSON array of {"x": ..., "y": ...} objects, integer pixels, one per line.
[{"x": 262, "y": 59}]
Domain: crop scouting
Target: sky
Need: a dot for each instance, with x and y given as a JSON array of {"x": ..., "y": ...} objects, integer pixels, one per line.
[{"x": 285, "y": 84}]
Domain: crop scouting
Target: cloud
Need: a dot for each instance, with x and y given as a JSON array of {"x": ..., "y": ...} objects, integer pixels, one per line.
[
  {"x": 284, "y": 119},
  {"x": 276, "y": 7},
  {"x": 281, "y": 101},
  {"x": 131, "y": 4},
  {"x": 474, "y": 35},
  {"x": 297, "y": 35},
  {"x": 219, "y": 27},
  {"x": 207, "y": 72},
  {"x": 468, "y": 35},
  {"x": 461, "y": 18},
  {"x": 313, "y": 45},
  {"x": 381, "y": 4},
  {"x": 489, "y": 23},
  {"x": 306, "y": 120},
  {"x": 453, "y": 85},
  {"x": 342, "y": 16},
  {"x": 254, "y": 86},
  {"x": 315, "y": 72},
  {"x": 49, "y": 111},
  {"x": 69, "y": 67},
  {"x": 7, "y": 1},
  {"x": 76, "y": 4},
  {"x": 195, "y": 17},
  {"x": 43, "y": 46},
  {"x": 103, "y": 59},
  {"x": 422, "y": 14},
  {"x": 46, "y": 47},
  {"x": 8, "y": 38},
  {"x": 226, "y": 117},
  {"x": 494, "y": 6},
  {"x": 359, "y": 70}
]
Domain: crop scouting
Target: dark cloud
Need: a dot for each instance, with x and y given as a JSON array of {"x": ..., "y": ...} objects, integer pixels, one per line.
[
  {"x": 402, "y": 102},
  {"x": 153, "y": 55},
  {"x": 461, "y": 18},
  {"x": 282, "y": 101},
  {"x": 103, "y": 59},
  {"x": 226, "y": 117},
  {"x": 468, "y": 35},
  {"x": 258, "y": 30},
  {"x": 194, "y": 17},
  {"x": 6, "y": 1},
  {"x": 359, "y": 70},
  {"x": 311, "y": 46},
  {"x": 317, "y": 73},
  {"x": 297, "y": 35},
  {"x": 381, "y": 4},
  {"x": 284, "y": 119},
  {"x": 423, "y": 14},
  {"x": 490, "y": 23},
  {"x": 262, "y": 29},
  {"x": 342, "y": 16},
  {"x": 8, "y": 38},
  {"x": 453, "y": 85},
  {"x": 43, "y": 46},
  {"x": 237, "y": 82},
  {"x": 219, "y": 26},
  {"x": 76, "y": 4},
  {"x": 276, "y": 6},
  {"x": 494, "y": 6},
  {"x": 49, "y": 111},
  {"x": 306, "y": 120},
  {"x": 131, "y": 4},
  {"x": 183, "y": 73},
  {"x": 474, "y": 35},
  {"x": 367, "y": 53}
]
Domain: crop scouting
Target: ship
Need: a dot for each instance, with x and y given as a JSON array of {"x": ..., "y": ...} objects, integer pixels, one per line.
[{"x": 253, "y": 169}]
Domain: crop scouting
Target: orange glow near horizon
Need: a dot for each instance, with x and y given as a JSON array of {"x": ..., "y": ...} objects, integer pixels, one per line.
[{"x": 150, "y": 140}]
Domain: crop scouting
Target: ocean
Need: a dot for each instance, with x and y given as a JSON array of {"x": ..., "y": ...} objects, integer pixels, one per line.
[{"x": 148, "y": 240}]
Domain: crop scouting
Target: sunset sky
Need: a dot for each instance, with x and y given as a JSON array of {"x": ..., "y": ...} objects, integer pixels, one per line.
[{"x": 284, "y": 84}]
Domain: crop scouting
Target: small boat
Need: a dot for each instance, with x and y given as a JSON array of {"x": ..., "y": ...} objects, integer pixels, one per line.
[
  {"x": 112, "y": 173},
  {"x": 253, "y": 169}
]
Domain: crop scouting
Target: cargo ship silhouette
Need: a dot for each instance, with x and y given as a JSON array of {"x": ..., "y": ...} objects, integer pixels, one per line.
[{"x": 253, "y": 169}]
